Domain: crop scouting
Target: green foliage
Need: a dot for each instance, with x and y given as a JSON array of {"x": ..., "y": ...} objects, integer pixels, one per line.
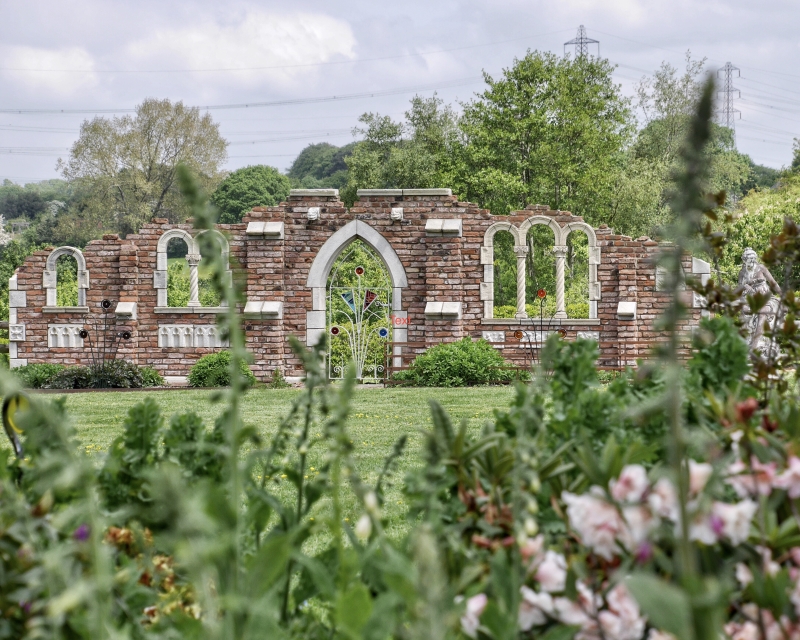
[
  {"x": 721, "y": 357},
  {"x": 550, "y": 130},
  {"x": 252, "y": 186},
  {"x": 112, "y": 374},
  {"x": 177, "y": 284},
  {"x": 321, "y": 166},
  {"x": 278, "y": 381},
  {"x": 67, "y": 281},
  {"x": 213, "y": 370},
  {"x": 151, "y": 377},
  {"x": 12, "y": 256},
  {"x": 458, "y": 364},
  {"x": 417, "y": 153},
  {"x": 37, "y": 375}
]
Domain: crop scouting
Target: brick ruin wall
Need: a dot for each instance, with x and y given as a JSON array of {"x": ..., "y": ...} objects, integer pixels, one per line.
[{"x": 443, "y": 262}]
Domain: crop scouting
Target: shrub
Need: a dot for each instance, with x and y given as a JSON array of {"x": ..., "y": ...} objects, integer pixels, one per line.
[
  {"x": 278, "y": 381},
  {"x": 114, "y": 374},
  {"x": 460, "y": 364},
  {"x": 151, "y": 377},
  {"x": 213, "y": 370},
  {"x": 36, "y": 376}
]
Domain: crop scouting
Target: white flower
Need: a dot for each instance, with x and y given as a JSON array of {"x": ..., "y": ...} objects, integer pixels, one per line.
[
  {"x": 743, "y": 574},
  {"x": 470, "y": 621},
  {"x": 736, "y": 519},
  {"x": 641, "y": 523},
  {"x": 534, "y": 608},
  {"x": 631, "y": 485},
  {"x": 790, "y": 478},
  {"x": 597, "y": 522},
  {"x": 701, "y": 529},
  {"x": 552, "y": 572},
  {"x": 622, "y": 620},
  {"x": 749, "y": 481},
  {"x": 663, "y": 499},
  {"x": 582, "y": 611},
  {"x": 371, "y": 501},
  {"x": 655, "y": 634},
  {"x": 699, "y": 473},
  {"x": 363, "y": 528}
]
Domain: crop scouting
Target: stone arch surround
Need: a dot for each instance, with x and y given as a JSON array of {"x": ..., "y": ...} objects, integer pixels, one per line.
[
  {"x": 321, "y": 268},
  {"x": 438, "y": 251}
]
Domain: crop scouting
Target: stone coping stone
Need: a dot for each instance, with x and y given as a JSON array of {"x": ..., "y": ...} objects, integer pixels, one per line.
[
  {"x": 403, "y": 192},
  {"x": 322, "y": 193},
  {"x": 190, "y": 310},
  {"x": 65, "y": 309}
]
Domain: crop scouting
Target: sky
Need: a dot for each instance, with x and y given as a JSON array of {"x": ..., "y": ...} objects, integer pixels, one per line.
[{"x": 278, "y": 76}]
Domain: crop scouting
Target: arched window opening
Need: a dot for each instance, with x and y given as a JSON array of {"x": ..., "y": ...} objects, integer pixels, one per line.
[
  {"x": 505, "y": 275},
  {"x": 576, "y": 275},
  {"x": 178, "y": 285},
  {"x": 359, "y": 306},
  {"x": 540, "y": 272},
  {"x": 67, "y": 281}
]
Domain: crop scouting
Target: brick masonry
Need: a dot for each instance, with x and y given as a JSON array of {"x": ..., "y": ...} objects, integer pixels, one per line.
[{"x": 439, "y": 267}]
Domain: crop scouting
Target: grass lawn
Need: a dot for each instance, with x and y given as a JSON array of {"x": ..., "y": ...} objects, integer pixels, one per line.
[{"x": 378, "y": 417}]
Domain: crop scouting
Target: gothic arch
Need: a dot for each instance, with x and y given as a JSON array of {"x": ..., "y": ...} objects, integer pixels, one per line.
[{"x": 318, "y": 274}]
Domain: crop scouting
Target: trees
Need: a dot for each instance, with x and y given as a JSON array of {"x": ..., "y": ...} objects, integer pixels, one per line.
[
  {"x": 253, "y": 186},
  {"x": 418, "y": 153},
  {"x": 551, "y": 130},
  {"x": 321, "y": 166},
  {"x": 129, "y": 164}
]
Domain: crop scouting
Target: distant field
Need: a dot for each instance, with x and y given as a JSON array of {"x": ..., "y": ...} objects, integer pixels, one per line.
[{"x": 378, "y": 418}]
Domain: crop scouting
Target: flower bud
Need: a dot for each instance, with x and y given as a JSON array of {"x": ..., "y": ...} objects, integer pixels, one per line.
[
  {"x": 363, "y": 528},
  {"x": 531, "y": 528},
  {"x": 371, "y": 501}
]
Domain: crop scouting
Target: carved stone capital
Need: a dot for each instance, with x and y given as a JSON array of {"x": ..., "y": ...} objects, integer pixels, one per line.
[
  {"x": 521, "y": 250},
  {"x": 560, "y": 252},
  {"x": 193, "y": 259}
]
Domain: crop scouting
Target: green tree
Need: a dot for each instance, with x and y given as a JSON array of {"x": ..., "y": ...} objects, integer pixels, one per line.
[
  {"x": 666, "y": 101},
  {"x": 551, "y": 130},
  {"x": 795, "y": 168},
  {"x": 320, "y": 166},
  {"x": 128, "y": 165},
  {"x": 254, "y": 186},
  {"x": 420, "y": 152}
]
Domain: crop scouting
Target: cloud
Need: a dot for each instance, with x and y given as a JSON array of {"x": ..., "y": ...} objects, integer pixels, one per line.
[
  {"x": 34, "y": 68},
  {"x": 255, "y": 38}
]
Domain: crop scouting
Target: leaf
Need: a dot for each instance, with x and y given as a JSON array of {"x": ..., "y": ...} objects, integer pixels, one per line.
[
  {"x": 353, "y": 609},
  {"x": 666, "y": 606},
  {"x": 561, "y": 633}
]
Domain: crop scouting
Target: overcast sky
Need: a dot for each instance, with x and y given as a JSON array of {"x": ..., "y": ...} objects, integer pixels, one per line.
[{"x": 101, "y": 55}]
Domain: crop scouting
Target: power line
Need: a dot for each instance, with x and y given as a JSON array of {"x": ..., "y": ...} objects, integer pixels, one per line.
[
  {"x": 582, "y": 42},
  {"x": 275, "y": 103}
]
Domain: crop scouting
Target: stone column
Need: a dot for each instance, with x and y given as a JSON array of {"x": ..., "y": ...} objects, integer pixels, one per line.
[
  {"x": 194, "y": 288},
  {"x": 561, "y": 255},
  {"x": 521, "y": 251}
]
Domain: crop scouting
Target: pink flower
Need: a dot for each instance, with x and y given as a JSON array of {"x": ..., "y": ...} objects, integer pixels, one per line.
[
  {"x": 748, "y": 481},
  {"x": 534, "y": 608},
  {"x": 531, "y": 551},
  {"x": 582, "y": 611},
  {"x": 699, "y": 473},
  {"x": 743, "y": 574},
  {"x": 631, "y": 485},
  {"x": 622, "y": 620},
  {"x": 552, "y": 572},
  {"x": 641, "y": 523},
  {"x": 704, "y": 528},
  {"x": 736, "y": 519},
  {"x": 597, "y": 522},
  {"x": 742, "y": 631},
  {"x": 663, "y": 499},
  {"x": 790, "y": 478},
  {"x": 470, "y": 621}
]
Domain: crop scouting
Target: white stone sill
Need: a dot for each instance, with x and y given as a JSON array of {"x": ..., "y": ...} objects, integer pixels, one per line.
[
  {"x": 535, "y": 322},
  {"x": 81, "y": 310},
  {"x": 191, "y": 310}
]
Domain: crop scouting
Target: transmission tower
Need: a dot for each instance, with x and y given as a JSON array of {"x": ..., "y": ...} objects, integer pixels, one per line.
[
  {"x": 582, "y": 42},
  {"x": 726, "y": 114}
]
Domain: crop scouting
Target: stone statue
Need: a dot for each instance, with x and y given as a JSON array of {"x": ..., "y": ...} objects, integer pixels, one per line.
[{"x": 755, "y": 278}]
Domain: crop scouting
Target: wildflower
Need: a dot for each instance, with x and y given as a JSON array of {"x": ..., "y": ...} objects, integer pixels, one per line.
[
  {"x": 470, "y": 621},
  {"x": 790, "y": 478},
  {"x": 597, "y": 522},
  {"x": 552, "y": 572},
  {"x": 663, "y": 499},
  {"x": 631, "y": 484},
  {"x": 622, "y": 620},
  {"x": 534, "y": 608},
  {"x": 363, "y": 529},
  {"x": 81, "y": 534},
  {"x": 736, "y": 519},
  {"x": 758, "y": 479},
  {"x": 699, "y": 473}
]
